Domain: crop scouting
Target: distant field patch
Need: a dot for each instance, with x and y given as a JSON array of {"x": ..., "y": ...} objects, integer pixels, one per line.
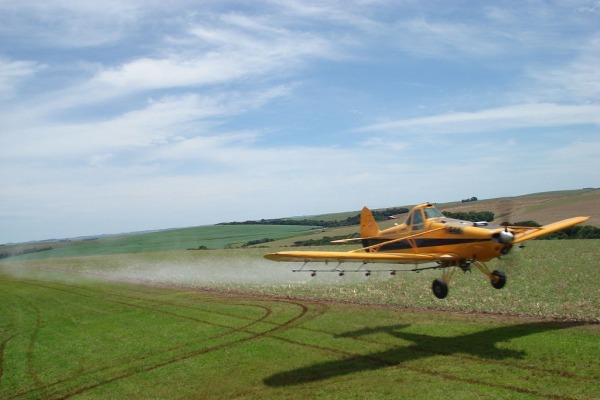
[{"x": 211, "y": 237}]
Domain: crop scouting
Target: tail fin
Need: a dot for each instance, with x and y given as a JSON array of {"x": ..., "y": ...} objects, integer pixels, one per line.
[{"x": 368, "y": 226}]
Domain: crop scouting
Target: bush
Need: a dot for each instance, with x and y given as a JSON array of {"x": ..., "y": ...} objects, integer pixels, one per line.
[{"x": 473, "y": 216}]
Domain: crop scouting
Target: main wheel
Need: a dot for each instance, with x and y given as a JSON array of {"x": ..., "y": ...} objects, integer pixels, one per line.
[
  {"x": 440, "y": 288},
  {"x": 498, "y": 279}
]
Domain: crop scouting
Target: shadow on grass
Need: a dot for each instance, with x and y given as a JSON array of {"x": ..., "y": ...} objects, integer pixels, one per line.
[{"x": 482, "y": 344}]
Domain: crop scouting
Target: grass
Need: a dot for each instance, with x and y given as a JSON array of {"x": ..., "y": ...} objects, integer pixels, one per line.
[
  {"x": 212, "y": 237},
  {"x": 87, "y": 339},
  {"x": 229, "y": 324},
  {"x": 549, "y": 278}
]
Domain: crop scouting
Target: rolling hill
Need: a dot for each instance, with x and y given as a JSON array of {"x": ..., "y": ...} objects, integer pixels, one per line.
[
  {"x": 540, "y": 207},
  {"x": 543, "y": 207}
]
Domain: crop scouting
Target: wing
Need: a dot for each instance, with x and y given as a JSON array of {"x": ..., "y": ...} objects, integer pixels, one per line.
[
  {"x": 365, "y": 258},
  {"x": 365, "y": 255},
  {"x": 532, "y": 233}
]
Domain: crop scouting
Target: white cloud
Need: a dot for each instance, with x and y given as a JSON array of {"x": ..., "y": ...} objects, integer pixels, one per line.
[
  {"x": 445, "y": 40},
  {"x": 495, "y": 119},
  {"x": 577, "y": 80},
  {"x": 385, "y": 143},
  {"x": 12, "y": 73},
  {"x": 69, "y": 24},
  {"x": 153, "y": 116},
  {"x": 580, "y": 149},
  {"x": 184, "y": 120},
  {"x": 230, "y": 52}
]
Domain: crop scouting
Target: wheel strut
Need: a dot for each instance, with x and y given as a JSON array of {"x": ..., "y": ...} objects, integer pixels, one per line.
[
  {"x": 497, "y": 277},
  {"x": 440, "y": 286}
]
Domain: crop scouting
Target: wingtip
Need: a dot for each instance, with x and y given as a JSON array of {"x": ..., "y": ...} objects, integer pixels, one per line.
[{"x": 271, "y": 256}]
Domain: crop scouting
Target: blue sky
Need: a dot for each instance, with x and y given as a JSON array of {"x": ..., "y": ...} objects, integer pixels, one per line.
[{"x": 128, "y": 115}]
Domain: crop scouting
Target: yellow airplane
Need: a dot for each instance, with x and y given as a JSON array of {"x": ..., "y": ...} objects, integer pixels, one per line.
[{"x": 427, "y": 236}]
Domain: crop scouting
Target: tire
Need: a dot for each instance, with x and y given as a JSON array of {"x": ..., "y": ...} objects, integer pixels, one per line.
[
  {"x": 498, "y": 279},
  {"x": 439, "y": 288}
]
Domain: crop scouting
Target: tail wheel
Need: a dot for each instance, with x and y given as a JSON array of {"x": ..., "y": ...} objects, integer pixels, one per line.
[
  {"x": 498, "y": 279},
  {"x": 440, "y": 288}
]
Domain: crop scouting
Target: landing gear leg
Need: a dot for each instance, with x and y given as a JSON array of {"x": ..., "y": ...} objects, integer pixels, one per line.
[{"x": 497, "y": 278}]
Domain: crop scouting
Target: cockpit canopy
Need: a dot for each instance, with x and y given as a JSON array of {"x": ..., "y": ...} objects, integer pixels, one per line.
[{"x": 416, "y": 219}]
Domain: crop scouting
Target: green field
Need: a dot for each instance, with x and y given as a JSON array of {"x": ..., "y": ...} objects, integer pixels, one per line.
[
  {"x": 228, "y": 324},
  {"x": 211, "y": 237}
]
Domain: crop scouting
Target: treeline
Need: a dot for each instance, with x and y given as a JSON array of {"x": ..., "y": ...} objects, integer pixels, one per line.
[
  {"x": 325, "y": 240},
  {"x": 473, "y": 216},
  {"x": 575, "y": 232},
  {"x": 379, "y": 215},
  {"x": 6, "y": 254},
  {"x": 258, "y": 241}
]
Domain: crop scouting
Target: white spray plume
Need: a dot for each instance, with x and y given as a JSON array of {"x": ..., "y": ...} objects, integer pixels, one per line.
[{"x": 207, "y": 271}]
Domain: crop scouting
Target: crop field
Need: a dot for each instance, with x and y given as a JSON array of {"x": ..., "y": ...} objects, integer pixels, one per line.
[
  {"x": 210, "y": 237},
  {"x": 228, "y": 324}
]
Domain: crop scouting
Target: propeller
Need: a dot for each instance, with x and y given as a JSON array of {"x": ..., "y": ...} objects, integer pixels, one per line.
[
  {"x": 505, "y": 215},
  {"x": 505, "y": 209}
]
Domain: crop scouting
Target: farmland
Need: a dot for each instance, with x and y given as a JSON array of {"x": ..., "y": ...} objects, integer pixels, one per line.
[
  {"x": 140, "y": 316},
  {"x": 226, "y": 324},
  {"x": 209, "y": 237}
]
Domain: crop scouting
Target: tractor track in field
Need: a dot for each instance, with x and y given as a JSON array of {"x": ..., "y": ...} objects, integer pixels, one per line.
[
  {"x": 3, "y": 344},
  {"x": 2, "y": 347},
  {"x": 69, "y": 289},
  {"x": 30, "y": 348},
  {"x": 188, "y": 355},
  {"x": 309, "y": 309},
  {"x": 53, "y": 390},
  {"x": 428, "y": 352},
  {"x": 435, "y": 352},
  {"x": 31, "y": 342}
]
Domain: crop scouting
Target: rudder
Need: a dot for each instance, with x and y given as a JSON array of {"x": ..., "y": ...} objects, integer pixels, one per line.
[{"x": 368, "y": 225}]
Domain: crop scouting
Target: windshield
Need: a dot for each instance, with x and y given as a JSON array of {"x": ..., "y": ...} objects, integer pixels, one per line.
[
  {"x": 417, "y": 220},
  {"x": 432, "y": 212}
]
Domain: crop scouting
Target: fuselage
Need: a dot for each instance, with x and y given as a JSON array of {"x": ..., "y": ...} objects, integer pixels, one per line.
[{"x": 427, "y": 230}]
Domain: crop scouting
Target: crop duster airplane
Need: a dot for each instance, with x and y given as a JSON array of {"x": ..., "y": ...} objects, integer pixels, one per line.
[{"x": 427, "y": 236}]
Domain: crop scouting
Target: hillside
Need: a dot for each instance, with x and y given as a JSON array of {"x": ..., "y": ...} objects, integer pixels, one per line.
[
  {"x": 204, "y": 237},
  {"x": 540, "y": 207},
  {"x": 543, "y": 208}
]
